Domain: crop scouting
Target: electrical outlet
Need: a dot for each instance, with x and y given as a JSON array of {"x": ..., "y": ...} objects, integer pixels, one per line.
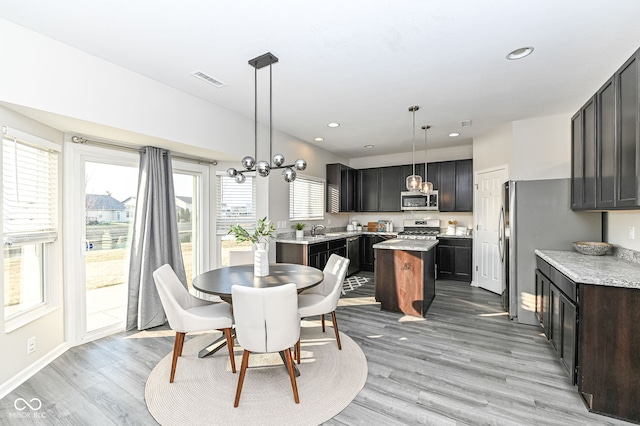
[
  {"x": 632, "y": 232},
  {"x": 31, "y": 345}
]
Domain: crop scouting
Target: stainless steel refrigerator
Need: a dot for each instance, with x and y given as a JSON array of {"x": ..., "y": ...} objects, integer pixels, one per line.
[{"x": 536, "y": 214}]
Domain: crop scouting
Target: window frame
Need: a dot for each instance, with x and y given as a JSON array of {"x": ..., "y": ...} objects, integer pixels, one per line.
[
  {"x": 320, "y": 197},
  {"x": 50, "y": 241}
]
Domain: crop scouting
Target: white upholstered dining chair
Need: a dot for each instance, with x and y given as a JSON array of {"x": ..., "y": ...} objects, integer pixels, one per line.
[
  {"x": 267, "y": 320},
  {"x": 323, "y": 298},
  {"x": 187, "y": 313}
]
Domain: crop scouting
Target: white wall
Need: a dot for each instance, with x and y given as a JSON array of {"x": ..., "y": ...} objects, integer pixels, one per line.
[
  {"x": 43, "y": 74},
  {"x": 619, "y": 223},
  {"x": 493, "y": 149},
  {"x": 48, "y": 329},
  {"x": 440, "y": 154},
  {"x": 541, "y": 148}
]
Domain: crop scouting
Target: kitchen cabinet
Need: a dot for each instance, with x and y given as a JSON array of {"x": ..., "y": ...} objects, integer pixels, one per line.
[
  {"x": 583, "y": 142},
  {"x": 367, "y": 253},
  {"x": 627, "y": 170},
  {"x": 605, "y": 144},
  {"x": 454, "y": 259},
  {"x": 557, "y": 295},
  {"x": 341, "y": 188},
  {"x": 454, "y": 182},
  {"x": 315, "y": 254},
  {"x": 391, "y": 184},
  {"x": 368, "y": 190},
  {"x": 404, "y": 280}
]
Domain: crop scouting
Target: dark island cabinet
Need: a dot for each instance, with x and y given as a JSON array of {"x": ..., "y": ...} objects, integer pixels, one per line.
[
  {"x": 315, "y": 255},
  {"x": 341, "y": 188},
  {"x": 605, "y": 144},
  {"x": 367, "y": 252},
  {"x": 454, "y": 259}
]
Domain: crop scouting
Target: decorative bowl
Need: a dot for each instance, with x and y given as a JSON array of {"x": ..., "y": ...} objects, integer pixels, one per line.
[{"x": 592, "y": 248}]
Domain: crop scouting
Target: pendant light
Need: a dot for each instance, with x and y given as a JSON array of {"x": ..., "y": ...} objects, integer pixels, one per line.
[
  {"x": 263, "y": 168},
  {"x": 414, "y": 182},
  {"x": 427, "y": 186}
]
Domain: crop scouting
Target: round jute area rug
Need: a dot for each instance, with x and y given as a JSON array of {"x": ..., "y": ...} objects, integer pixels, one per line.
[{"x": 204, "y": 389}]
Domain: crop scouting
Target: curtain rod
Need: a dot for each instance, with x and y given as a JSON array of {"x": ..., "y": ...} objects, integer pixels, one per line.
[{"x": 112, "y": 145}]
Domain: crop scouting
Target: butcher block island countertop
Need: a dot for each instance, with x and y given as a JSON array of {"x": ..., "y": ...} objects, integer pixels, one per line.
[{"x": 405, "y": 275}]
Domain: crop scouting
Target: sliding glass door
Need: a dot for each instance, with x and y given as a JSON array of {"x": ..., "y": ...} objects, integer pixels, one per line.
[{"x": 100, "y": 202}]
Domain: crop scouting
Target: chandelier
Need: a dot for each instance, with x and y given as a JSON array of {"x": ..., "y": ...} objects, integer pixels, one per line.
[
  {"x": 263, "y": 168},
  {"x": 414, "y": 182}
]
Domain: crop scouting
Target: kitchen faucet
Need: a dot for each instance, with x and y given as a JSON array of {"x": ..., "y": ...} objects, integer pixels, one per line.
[{"x": 317, "y": 226}]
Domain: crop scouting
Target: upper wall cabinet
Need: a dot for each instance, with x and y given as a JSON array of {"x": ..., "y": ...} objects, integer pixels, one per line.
[
  {"x": 606, "y": 145},
  {"x": 454, "y": 182},
  {"x": 341, "y": 188},
  {"x": 382, "y": 185}
]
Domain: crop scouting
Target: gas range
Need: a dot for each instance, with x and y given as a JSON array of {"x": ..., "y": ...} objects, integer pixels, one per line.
[{"x": 420, "y": 229}]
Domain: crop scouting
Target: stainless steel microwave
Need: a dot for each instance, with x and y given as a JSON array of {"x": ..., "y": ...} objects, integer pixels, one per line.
[{"x": 413, "y": 200}]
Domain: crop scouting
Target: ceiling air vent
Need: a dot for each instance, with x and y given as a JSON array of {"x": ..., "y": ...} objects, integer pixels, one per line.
[
  {"x": 208, "y": 79},
  {"x": 465, "y": 123}
]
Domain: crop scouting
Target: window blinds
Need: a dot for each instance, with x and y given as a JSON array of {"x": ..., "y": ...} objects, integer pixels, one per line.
[
  {"x": 29, "y": 192},
  {"x": 235, "y": 203},
  {"x": 306, "y": 199}
]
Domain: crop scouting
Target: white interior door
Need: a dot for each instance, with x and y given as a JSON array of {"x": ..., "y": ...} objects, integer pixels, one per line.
[{"x": 488, "y": 198}]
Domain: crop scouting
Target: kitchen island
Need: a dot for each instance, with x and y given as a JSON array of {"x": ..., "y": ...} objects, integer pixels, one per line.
[{"x": 405, "y": 275}]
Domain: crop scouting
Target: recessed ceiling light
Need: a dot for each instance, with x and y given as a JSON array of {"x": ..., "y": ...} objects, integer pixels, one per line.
[
  {"x": 318, "y": 139},
  {"x": 333, "y": 124},
  {"x": 520, "y": 53},
  {"x": 368, "y": 146},
  {"x": 454, "y": 134}
]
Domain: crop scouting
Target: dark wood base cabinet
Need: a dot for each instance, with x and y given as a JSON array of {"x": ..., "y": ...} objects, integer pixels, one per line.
[
  {"x": 315, "y": 255},
  {"x": 405, "y": 280},
  {"x": 454, "y": 259},
  {"x": 594, "y": 331},
  {"x": 609, "y": 350}
]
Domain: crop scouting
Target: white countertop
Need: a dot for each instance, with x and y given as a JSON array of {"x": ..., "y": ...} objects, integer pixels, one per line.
[
  {"x": 402, "y": 244},
  {"x": 308, "y": 239},
  {"x": 601, "y": 270}
]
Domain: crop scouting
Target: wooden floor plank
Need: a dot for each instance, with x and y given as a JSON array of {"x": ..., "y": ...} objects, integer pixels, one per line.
[{"x": 465, "y": 363}]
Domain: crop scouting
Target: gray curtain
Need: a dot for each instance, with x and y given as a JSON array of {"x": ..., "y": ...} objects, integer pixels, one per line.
[{"x": 155, "y": 240}]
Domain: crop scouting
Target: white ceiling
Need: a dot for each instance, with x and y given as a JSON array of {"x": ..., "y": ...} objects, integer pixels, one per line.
[{"x": 361, "y": 63}]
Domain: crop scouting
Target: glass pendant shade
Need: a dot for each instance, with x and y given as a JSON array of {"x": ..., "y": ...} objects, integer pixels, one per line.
[
  {"x": 414, "y": 182},
  {"x": 426, "y": 188}
]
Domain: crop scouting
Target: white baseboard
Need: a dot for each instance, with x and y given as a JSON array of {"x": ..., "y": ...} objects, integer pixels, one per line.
[{"x": 28, "y": 372}]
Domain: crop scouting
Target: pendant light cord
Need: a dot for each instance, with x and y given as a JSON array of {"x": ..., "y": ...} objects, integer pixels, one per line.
[
  {"x": 255, "y": 113},
  {"x": 413, "y": 153},
  {"x": 270, "y": 114}
]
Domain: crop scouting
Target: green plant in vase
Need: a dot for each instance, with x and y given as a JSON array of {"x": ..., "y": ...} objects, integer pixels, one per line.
[
  {"x": 299, "y": 227},
  {"x": 262, "y": 234}
]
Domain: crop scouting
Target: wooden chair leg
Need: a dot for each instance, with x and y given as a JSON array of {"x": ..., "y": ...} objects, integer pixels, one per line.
[
  {"x": 292, "y": 375},
  {"x": 298, "y": 350},
  {"x": 322, "y": 322},
  {"x": 335, "y": 329},
  {"x": 243, "y": 370},
  {"x": 232, "y": 358},
  {"x": 177, "y": 351}
]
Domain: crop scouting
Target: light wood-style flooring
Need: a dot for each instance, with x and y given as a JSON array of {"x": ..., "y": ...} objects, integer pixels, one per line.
[{"x": 465, "y": 363}]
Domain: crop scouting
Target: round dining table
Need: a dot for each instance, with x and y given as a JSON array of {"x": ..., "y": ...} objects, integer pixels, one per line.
[{"x": 219, "y": 281}]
